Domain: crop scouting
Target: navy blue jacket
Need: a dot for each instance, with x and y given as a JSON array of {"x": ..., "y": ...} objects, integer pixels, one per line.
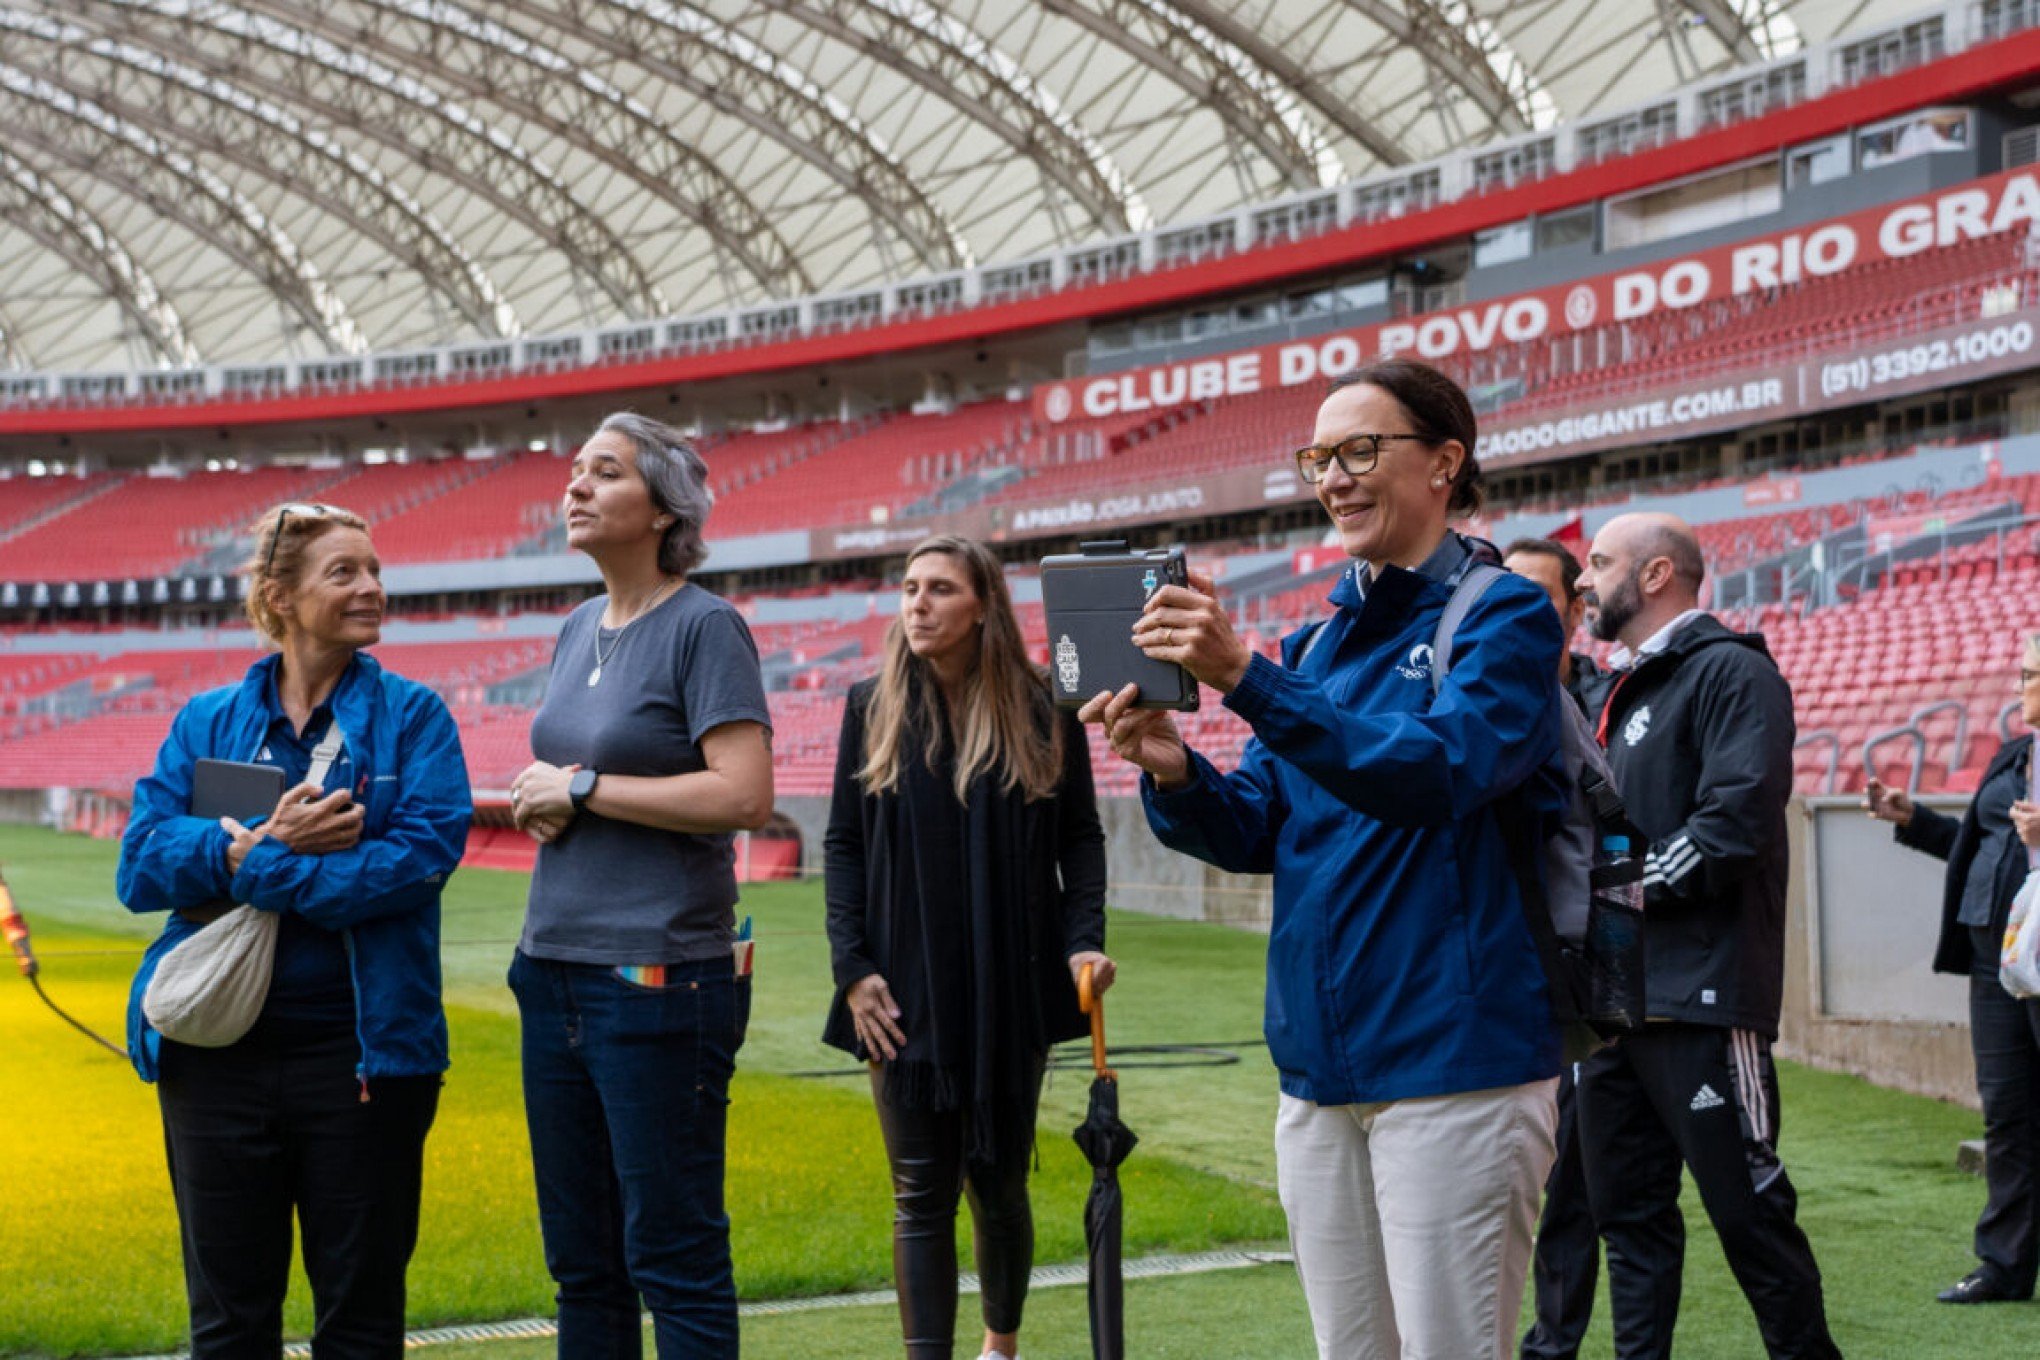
[
  {"x": 383, "y": 894},
  {"x": 1399, "y": 963}
]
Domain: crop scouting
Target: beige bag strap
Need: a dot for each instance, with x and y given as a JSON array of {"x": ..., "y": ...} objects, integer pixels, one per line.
[{"x": 325, "y": 753}]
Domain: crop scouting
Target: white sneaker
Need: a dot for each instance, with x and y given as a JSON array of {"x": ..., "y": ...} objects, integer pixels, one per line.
[{"x": 999, "y": 1355}]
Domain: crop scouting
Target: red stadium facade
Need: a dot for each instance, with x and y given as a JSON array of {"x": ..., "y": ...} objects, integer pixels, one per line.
[{"x": 1832, "y": 372}]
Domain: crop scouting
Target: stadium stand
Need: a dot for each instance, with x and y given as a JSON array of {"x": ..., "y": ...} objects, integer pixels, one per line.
[
  {"x": 26, "y": 500},
  {"x": 150, "y": 526},
  {"x": 873, "y": 470},
  {"x": 1906, "y": 649},
  {"x": 504, "y": 503},
  {"x": 1869, "y": 667},
  {"x": 26, "y": 677},
  {"x": 1208, "y": 436},
  {"x": 1931, "y": 629},
  {"x": 1870, "y": 302}
]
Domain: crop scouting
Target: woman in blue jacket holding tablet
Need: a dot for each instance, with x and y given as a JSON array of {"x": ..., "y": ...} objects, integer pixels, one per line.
[
  {"x": 1407, "y": 1012},
  {"x": 321, "y": 1109}
]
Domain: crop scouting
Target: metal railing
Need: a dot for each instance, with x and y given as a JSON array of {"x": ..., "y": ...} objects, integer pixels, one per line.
[{"x": 1834, "y": 750}]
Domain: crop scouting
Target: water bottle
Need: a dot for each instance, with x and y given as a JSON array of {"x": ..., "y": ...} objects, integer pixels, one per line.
[{"x": 1614, "y": 944}]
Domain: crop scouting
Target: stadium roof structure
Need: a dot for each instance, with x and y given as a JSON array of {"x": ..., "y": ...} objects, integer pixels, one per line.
[{"x": 187, "y": 181}]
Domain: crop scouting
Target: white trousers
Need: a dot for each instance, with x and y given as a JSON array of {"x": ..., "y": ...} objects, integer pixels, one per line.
[{"x": 1412, "y": 1221}]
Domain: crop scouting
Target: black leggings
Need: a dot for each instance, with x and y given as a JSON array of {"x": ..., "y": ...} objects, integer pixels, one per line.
[{"x": 930, "y": 1172}]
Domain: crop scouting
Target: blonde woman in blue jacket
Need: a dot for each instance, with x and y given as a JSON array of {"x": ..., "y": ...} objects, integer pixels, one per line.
[
  {"x": 320, "y": 1111},
  {"x": 1407, "y": 1012}
]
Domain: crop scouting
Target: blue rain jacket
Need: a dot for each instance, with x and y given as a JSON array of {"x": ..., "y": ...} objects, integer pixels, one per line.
[
  {"x": 383, "y": 894},
  {"x": 1399, "y": 962}
]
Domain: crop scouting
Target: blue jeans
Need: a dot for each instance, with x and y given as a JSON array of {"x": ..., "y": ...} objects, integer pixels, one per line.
[{"x": 626, "y": 1092}]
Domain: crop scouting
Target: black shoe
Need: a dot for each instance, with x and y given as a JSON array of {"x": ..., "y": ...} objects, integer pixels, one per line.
[{"x": 1979, "y": 1286}]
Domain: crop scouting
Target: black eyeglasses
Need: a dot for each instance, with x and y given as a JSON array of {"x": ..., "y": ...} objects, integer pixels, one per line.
[
  {"x": 1356, "y": 455},
  {"x": 295, "y": 510}
]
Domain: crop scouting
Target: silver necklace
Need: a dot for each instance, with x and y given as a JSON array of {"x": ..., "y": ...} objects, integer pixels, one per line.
[{"x": 601, "y": 657}]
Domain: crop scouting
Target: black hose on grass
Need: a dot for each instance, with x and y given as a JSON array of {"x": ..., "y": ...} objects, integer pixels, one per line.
[
  {"x": 70, "y": 1020},
  {"x": 1220, "y": 1053}
]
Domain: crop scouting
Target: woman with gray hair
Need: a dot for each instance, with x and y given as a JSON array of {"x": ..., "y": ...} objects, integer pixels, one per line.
[{"x": 652, "y": 750}]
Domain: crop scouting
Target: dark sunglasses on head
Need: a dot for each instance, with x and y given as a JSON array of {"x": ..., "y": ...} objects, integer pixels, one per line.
[{"x": 295, "y": 510}]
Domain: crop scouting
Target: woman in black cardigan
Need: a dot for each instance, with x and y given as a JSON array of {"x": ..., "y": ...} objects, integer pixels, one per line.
[
  {"x": 965, "y": 874},
  {"x": 1987, "y": 854}
]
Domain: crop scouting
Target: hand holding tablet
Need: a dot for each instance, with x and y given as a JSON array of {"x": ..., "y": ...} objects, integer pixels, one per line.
[{"x": 1095, "y": 601}]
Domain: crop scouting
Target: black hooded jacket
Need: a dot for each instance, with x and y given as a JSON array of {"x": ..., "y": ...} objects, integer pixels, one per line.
[
  {"x": 1588, "y": 684},
  {"x": 1700, "y": 737}
]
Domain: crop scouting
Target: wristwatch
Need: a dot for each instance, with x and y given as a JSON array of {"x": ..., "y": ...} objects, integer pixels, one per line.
[{"x": 581, "y": 785}]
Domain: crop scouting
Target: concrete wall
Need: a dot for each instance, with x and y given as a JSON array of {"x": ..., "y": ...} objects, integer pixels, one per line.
[
  {"x": 1144, "y": 876},
  {"x": 1860, "y": 993},
  {"x": 811, "y": 815},
  {"x": 24, "y": 807}
]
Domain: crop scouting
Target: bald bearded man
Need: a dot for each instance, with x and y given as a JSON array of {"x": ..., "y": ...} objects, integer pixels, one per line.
[{"x": 1698, "y": 727}]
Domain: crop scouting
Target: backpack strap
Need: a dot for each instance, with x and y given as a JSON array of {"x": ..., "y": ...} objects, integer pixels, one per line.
[
  {"x": 1521, "y": 836},
  {"x": 1523, "y": 840},
  {"x": 1317, "y": 635},
  {"x": 1465, "y": 595}
]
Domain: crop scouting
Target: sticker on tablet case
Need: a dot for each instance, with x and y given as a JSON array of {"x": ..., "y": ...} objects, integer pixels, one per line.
[{"x": 1067, "y": 668}]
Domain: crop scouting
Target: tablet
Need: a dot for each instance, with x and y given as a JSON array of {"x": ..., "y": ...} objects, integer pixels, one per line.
[
  {"x": 235, "y": 788},
  {"x": 1092, "y": 598}
]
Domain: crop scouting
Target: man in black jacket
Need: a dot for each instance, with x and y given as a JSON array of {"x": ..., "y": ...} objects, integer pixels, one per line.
[
  {"x": 1567, "y": 1258},
  {"x": 1552, "y": 565},
  {"x": 1698, "y": 726}
]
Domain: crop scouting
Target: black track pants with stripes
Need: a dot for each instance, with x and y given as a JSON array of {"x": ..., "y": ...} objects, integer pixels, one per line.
[{"x": 1706, "y": 1098}]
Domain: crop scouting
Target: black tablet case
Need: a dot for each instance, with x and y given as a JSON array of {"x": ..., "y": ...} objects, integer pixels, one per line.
[
  {"x": 1092, "y": 599},
  {"x": 233, "y": 788}
]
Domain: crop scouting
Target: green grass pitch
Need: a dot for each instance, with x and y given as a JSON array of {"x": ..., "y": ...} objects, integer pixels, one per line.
[{"x": 89, "y": 1239}]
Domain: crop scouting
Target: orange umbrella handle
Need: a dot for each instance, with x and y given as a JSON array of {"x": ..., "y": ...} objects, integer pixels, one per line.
[{"x": 1094, "y": 1006}]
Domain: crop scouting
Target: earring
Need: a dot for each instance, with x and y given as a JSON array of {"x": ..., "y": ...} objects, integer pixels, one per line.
[{"x": 1438, "y": 481}]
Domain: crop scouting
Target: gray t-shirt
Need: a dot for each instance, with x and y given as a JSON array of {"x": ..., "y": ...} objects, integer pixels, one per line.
[{"x": 613, "y": 892}]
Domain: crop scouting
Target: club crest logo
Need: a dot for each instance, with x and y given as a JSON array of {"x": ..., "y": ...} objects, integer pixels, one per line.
[
  {"x": 1067, "y": 670},
  {"x": 1149, "y": 582},
  {"x": 1639, "y": 724},
  {"x": 1418, "y": 664},
  {"x": 1580, "y": 306}
]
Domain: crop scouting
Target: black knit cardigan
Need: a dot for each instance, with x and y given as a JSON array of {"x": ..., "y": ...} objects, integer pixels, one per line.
[{"x": 970, "y": 911}]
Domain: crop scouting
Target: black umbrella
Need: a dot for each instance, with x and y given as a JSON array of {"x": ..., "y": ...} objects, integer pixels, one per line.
[{"x": 1105, "y": 1143}]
